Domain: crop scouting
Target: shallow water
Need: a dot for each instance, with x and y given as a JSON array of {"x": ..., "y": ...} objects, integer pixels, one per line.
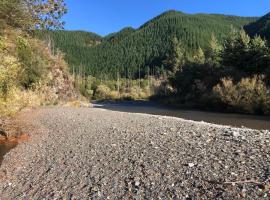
[{"x": 235, "y": 120}]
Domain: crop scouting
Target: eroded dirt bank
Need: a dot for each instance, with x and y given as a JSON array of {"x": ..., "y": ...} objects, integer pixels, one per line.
[{"x": 88, "y": 153}]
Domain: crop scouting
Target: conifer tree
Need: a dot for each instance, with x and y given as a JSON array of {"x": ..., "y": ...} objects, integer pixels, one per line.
[
  {"x": 175, "y": 58},
  {"x": 235, "y": 49},
  {"x": 213, "y": 52},
  {"x": 199, "y": 56}
]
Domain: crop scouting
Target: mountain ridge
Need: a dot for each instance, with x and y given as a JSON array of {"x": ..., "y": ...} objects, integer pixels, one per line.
[
  {"x": 130, "y": 50},
  {"x": 260, "y": 27}
]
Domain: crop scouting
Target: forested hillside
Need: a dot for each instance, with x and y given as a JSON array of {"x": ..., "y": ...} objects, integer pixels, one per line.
[
  {"x": 73, "y": 43},
  {"x": 131, "y": 52},
  {"x": 260, "y": 27}
]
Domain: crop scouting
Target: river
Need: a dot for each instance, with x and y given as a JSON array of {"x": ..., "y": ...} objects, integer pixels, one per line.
[{"x": 235, "y": 120}]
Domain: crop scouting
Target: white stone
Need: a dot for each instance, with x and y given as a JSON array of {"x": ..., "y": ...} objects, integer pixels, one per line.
[
  {"x": 137, "y": 183},
  {"x": 191, "y": 164},
  {"x": 236, "y": 134}
]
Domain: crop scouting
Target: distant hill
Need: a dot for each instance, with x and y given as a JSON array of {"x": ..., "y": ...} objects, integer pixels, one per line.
[
  {"x": 119, "y": 35},
  {"x": 260, "y": 27},
  {"x": 131, "y": 50}
]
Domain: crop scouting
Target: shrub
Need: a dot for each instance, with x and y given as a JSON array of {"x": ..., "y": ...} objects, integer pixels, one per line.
[
  {"x": 114, "y": 95},
  {"x": 102, "y": 92},
  {"x": 92, "y": 87},
  {"x": 249, "y": 95},
  {"x": 9, "y": 70},
  {"x": 34, "y": 60}
]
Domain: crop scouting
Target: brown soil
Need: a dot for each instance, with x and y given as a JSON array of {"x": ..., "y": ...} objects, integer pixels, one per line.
[{"x": 14, "y": 139}]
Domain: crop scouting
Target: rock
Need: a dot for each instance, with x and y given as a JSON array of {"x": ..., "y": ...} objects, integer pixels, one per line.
[
  {"x": 235, "y": 134},
  {"x": 229, "y": 133},
  {"x": 191, "y": 164}
]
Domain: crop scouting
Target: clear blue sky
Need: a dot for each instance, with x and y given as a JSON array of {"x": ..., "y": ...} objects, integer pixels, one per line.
[{"x": 107, "y": 16}]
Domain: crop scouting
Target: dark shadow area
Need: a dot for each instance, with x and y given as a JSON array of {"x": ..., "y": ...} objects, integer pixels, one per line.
[
  {"x": 148, "y": 107},
  {"x": 5, "y": 147}
]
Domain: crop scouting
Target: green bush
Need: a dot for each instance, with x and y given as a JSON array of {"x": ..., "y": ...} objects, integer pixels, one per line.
[
  {"x": 34, "y": 62},
  {"x": 9, "y": 70}
]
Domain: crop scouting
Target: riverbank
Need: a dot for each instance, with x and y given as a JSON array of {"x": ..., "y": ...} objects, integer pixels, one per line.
[
  {"x": 12, "y": 133},
  {"x": 207, "y": 106},
  {"x": 107, "y": 154}
]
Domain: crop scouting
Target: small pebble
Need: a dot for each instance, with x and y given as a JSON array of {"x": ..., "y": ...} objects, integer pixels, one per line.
[{"x": 191, "y": 164}]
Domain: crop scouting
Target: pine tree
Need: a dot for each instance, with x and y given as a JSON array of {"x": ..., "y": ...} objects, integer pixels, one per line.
[
  {"x": 213, "y": 52},
  {"x": 236, "y": 49},
  {"x": 199, "y": 56},
  {"x": 175, "y": 58},
  {"x": 259, "y": 55}
]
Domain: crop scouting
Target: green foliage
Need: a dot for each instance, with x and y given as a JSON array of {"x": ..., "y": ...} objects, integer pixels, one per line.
[
  {"x": 235, "y": 47},
  {"x": 29, "y": 74},
  {"x": 75, "y": 44},
  {"x": 246, "y": 54},
  {"x": 175, "y": 58},
  {"x": 13, "y": 14},
  {"x": 199, "y": 56},
  {"x": 34, "y": 66},
  {"x": 213, "y": 52},
  {"x": 131, "y": 52},
  {"x": 260, "y": 27},
  {"x": 195, "y": 81},
  {"x": 9, "y": 72},
  {"x": 243, "y": 59}
]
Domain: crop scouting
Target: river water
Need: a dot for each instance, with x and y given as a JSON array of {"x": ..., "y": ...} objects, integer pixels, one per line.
[{"x": 235, "y": 120}]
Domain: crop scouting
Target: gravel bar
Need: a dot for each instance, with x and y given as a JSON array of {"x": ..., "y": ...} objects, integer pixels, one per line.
[{"x": 91, "y": 153}]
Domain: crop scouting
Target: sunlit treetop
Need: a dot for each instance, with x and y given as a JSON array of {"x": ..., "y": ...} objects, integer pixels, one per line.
[{"x": 32, "y": 14}]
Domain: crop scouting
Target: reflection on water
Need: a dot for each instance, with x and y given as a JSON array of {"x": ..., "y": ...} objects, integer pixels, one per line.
[
  {"x": 5, "y": 147},
  {"x": 236, "y": 120}
]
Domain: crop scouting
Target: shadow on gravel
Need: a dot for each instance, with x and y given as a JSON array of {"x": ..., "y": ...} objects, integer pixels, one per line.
[{"x": 5, "y": 147}]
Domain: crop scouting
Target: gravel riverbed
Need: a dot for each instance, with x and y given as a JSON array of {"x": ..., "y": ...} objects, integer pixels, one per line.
[{"x": 90, "y": 153}]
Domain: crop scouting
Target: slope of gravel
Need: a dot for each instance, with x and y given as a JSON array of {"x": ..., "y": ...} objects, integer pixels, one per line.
[{"x": 89, "y": 153}]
